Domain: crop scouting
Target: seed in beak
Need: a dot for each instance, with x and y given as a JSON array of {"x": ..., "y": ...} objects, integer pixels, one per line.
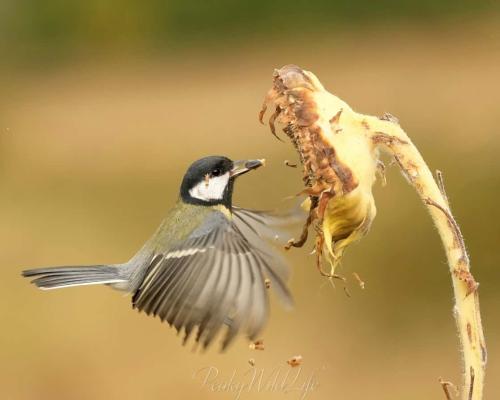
[{"x": 251, "y": 164}]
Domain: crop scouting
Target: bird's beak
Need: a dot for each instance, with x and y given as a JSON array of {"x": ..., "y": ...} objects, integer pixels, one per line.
[{"x": 243, "y": 166}]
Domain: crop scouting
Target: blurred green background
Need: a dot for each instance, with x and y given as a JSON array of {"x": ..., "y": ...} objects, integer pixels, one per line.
[{"x": 103, "y": 104}]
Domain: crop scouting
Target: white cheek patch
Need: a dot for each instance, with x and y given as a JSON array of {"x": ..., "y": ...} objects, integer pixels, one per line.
[{"x": 211, "y": 189}]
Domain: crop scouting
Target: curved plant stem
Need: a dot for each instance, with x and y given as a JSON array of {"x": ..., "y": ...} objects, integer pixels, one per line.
[{"x": 390, "y": 136}]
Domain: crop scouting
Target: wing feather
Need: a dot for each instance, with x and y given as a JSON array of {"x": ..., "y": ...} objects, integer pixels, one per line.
[{"x": 213, "y": 279}]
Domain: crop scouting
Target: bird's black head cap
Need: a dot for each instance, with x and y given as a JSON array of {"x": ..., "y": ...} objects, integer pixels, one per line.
[{"x": 208, "y": 181}]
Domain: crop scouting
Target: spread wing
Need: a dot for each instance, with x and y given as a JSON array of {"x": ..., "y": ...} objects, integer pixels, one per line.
[
  {"x": 215, "y": 278},
  {"x": 273, "y": 226}
]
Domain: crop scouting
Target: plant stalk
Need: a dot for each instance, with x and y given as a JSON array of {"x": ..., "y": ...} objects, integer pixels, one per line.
[{"x": 389, "y": 135}]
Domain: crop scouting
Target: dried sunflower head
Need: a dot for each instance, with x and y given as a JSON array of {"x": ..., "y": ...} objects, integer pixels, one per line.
[{"x": 338, "y": 156}]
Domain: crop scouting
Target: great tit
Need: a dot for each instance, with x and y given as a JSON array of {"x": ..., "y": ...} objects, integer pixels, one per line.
[{"x": 206, "y": 267}]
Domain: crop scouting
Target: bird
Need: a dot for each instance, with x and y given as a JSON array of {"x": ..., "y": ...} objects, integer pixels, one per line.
[{"x": 207, "y": 268}]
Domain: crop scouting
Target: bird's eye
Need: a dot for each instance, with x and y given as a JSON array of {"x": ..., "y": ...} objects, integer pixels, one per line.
[{"x": 216, "y": 172}]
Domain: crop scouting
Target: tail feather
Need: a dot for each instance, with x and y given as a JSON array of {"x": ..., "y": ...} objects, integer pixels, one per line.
[{"x": 59, "y": 277}]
